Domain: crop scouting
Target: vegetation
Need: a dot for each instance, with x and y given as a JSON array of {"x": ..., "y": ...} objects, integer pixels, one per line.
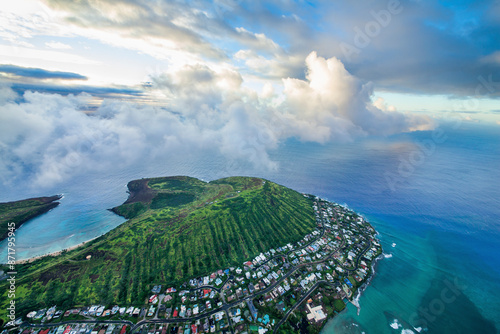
[
  {"x": 20, "y": 212},
  {"x": 179, "y": 228}
]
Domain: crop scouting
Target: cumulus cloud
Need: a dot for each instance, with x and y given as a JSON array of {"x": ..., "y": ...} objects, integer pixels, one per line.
[
  {"x": 49, "y": 138},
  {"x": 6, "y": 94},
  {"x": 332, "y": 104}
]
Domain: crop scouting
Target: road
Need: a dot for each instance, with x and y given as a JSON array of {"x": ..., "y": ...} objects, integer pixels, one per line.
[
  {"x": 301, "y": 300},
  {"x": 226, "y": 306}
]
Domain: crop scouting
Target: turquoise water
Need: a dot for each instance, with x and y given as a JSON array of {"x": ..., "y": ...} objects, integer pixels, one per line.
[{"x": 443, "y": 215}]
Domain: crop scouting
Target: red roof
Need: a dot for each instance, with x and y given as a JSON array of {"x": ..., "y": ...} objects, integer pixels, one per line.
[
  {"x": 175, "y": 313},
  {"x": 43, "y": 331},
  {"x": 124, "y": 329},
  {"x": 194, "y": 328}
]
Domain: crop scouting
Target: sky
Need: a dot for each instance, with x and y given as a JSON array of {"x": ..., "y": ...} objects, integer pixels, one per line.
[{"x": 87, "y": 84}]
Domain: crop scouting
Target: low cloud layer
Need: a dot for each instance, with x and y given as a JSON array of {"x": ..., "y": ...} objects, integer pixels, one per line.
[{"x": 49, "y": 138}]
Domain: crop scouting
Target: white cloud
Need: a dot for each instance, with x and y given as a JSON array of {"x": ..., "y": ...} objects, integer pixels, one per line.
[
  {"x": 46, "y": 139},
  {"x": 258, "y": 41},
  {"x": 57, "y": 45},
  {"x": 6, "y": 94},
  {"x": 275, "y": 67},
  {"x": 332, "y": 104}
]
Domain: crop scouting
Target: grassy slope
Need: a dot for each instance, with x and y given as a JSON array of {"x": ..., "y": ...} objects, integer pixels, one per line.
[
  {"x": 182, "y": 228},
  {"x": 21, "y": 211}
]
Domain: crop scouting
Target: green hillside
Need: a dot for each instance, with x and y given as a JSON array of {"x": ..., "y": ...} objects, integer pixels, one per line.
[
  {"x": 178, "y": 228},
  {"x": 21, "y": 211}
]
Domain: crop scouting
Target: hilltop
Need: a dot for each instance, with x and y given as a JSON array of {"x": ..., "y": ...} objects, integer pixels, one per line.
[{"x": 178, "y": 228}]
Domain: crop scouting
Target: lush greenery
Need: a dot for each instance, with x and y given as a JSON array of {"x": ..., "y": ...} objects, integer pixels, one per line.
[
  {"x": 20, "y": 212},
  {"x": 182, "y": 228}
]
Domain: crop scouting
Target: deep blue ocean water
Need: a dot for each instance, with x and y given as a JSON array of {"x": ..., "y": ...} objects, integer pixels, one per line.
[{"x": 434, "y": 197}]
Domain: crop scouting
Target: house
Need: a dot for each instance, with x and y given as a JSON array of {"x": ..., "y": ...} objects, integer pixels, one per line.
[
  {"x": 253, "y": 310},
  {"x": 281, "y": 306},
  {"x": 153, "y": 299},
  {"x": 219, "y": 315},
  {"x": 315, "y": 313},
  {"x": 346, "y": 280}
]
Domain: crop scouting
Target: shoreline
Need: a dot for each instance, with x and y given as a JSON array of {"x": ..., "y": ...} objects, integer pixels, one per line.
[
  {"x": 364, "y": 286},
  {"x": 45, "y": 204},
  {"x": 53, "y": 254},
  {"x": 360, "y": 290}
]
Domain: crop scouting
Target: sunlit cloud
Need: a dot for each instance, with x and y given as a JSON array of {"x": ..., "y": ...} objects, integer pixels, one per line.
[
  {"x": 92, "y": 84},
  {"x": 49, "y": 138}
]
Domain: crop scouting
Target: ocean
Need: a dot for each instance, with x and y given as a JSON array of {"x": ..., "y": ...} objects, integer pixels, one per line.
[{"x": 433, "y": 196}]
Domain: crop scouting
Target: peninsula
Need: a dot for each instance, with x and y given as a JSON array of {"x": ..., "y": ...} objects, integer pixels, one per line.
[
  {"x": 234, "y": 255},
  {"x": 18, "y": 212}
]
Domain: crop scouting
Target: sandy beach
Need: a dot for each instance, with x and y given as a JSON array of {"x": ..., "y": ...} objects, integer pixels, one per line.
[{"x": 54, "y": 253}]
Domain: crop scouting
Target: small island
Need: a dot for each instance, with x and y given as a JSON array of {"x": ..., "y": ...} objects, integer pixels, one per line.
[
  {"x": 19, "y": 212},
  {"x": 235, "y": 255}
]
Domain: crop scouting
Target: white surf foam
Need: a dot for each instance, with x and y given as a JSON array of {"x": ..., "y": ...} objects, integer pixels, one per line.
[{"x": 407, "y": 331}]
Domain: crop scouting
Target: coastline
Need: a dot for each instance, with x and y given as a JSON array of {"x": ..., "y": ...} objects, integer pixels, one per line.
[
  {"x": 331, "y": 211},
  {"x": 54, "y": 254},
  {"x": 45, "y": 204},
  {"x": 360, "y": 290},
  {"x": 364, "y": 286}
]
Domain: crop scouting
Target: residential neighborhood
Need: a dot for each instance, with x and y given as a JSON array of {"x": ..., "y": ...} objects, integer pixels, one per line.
[{"x": 307, "y": 282}]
